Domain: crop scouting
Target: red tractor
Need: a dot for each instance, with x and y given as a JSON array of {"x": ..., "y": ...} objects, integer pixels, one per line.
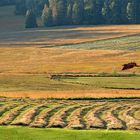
[{"x": 130, "y": 66}]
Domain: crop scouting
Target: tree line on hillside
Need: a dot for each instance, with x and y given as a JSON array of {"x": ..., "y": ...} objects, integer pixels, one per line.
[
  {"x": 77, "y": 12},
  {"x": 6, "y": 2}
]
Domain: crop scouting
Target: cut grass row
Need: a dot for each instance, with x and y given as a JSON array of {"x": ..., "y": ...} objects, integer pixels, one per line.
[
  {"x": 74, "y": 114},
  {"x": 123, "y": 43}
]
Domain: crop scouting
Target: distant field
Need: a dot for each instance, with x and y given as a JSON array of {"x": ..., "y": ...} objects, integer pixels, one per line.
[
  {"x": 131, "y": 43},
  {"x": 107, "y": 82},
  {"x": 32, "y": 60},
  {"x": 9, "y": 83},
  {"x": 13, "y": 32},
  {"x": 27, "y": 57},
  {"x": 9, "y": 22}
]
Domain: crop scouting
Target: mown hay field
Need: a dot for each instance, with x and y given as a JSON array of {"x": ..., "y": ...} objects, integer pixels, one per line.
[
  {"x": 32, "y": 60},
  {"x": 131, "y": 43},
  {"x": 41, "y": 86},
  {"x": 25, "y": 71},
  {"x": 113, "y": 114},
  {"x": 28, "y": 57}
]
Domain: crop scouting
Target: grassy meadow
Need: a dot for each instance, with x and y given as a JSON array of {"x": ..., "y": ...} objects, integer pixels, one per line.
[{"x": 21, "y": 133}]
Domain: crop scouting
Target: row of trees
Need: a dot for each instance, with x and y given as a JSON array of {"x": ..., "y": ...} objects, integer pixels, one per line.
[
  {"x": 68, "y": 12},
  {"x": 6, "y": 2}
]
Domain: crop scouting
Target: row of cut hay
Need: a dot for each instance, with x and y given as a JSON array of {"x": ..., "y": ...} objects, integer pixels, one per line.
[
  {"x": 9, "y": 116},
  {"x": 42, "y": 119},
  {"x": 75, "y": 114},
  {"x": 131, "y": 122},
  {"x": 58, "y": 119},
  {"x": 135, "y": 110},
  {"x": 137, "y": 114},
  {"x": 75, "y": 120},
  {"x": 92, "y": 119},
  {"x": 111, "y": 120},
  {"x": 27, "y": 117},
  {"x": 58, "y": 76},
  {"x": 6, "y": 108}
]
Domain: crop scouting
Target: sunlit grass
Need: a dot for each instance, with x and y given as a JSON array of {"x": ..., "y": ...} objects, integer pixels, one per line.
[{"x": 18, "y": 133}]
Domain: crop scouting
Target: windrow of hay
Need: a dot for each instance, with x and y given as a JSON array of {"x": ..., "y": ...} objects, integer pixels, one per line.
[
  {"x": 137, "y": 114},
  {"x": 75, "y": 119},
  {"x": 9, "y": 116},
  {"x": 6, "y": 108},
  {"x": 92, "y": 118},
  {"x": 73, "y": 114},
  {"x": 42, "y": 119},
  {"x": 111, "y": 120},
  {"x": 58, "y": 119},
  {"x": 27, "y": 117},
  {"x": 131, "y": 122}
]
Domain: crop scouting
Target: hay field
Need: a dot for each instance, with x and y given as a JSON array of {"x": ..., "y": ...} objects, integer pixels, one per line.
[
  {"x": 28, "y": 57},
  {"x": 72, "y": 114},
  {"x": 32, "y": 60},
  {"x": 41, "y": 86}
]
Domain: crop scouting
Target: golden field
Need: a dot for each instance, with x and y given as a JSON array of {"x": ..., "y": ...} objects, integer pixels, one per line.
[
  {"x": 96, "y": 93},
  {"x": 43, "y": 51},
  {"x": 34, "y": 60}
]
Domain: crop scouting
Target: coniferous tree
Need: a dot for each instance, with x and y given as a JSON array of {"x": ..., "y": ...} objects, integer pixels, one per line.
[
  {"x": 53, "y": 7},
  {"x": 130, "y": 12},
  {"x": 30, "y": 21},
  {"x": 7, "y": 2},
  {"x": 116, "y": 12},
  {"x": 69, "y": 14},
  {"x": 90, "y": 12},
  {"x": 47, "y": 16},
  {"x": 77, "y": 12},
  {"x": 66, "y": 12},
  {"x": 133, "y": 11},
  {"x": 106, "y": 12},
  {"x": 98, "y": 15},
  {"x": 20, "y": 7}
]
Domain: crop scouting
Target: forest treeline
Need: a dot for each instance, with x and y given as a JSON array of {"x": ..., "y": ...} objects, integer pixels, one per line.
[
  {"x": 7, "y": 2},
  {"x": 75, "y": 12}
]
